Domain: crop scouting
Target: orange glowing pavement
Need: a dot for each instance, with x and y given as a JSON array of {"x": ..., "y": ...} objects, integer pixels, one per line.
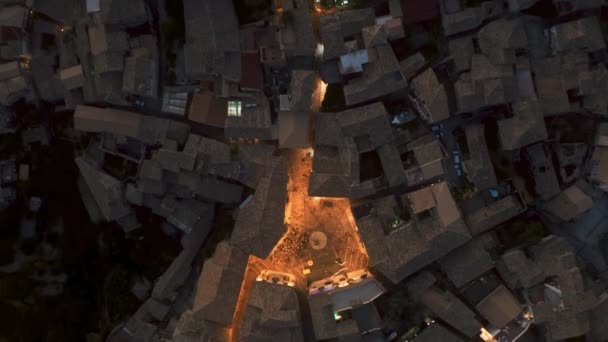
[{"x": 305, "y": 215}]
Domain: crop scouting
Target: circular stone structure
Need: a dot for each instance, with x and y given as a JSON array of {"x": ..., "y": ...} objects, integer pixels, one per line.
[{"x": 317, "y": 240}]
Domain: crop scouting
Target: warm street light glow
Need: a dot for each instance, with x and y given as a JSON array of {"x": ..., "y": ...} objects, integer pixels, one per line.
[
  {"x": 319, "y": 51},
  {"x": 486, "y": 335},
  {"x": 310, "y": 151},
  {"x": 322, "y": 87}
]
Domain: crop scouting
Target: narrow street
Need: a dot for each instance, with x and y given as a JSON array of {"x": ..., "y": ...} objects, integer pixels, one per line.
[{"x": 321, "y": 233}]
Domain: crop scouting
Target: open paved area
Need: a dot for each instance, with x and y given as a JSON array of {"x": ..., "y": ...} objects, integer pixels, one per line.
[{"x": 321, "y": 235}]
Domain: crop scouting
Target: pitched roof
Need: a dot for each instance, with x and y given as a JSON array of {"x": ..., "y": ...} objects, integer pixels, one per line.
[
  {"x": 479, "y": 167},
  {"x": 140, "y": 76},
  {"x": 599, "y": 328},
  {"x": 569, "y": 204},
  {"x": 294, "y": 127},
  {"x": 9, "y": 70},
  {"x": 380, "y": 76},
  {"x": 272, "y": 312},
  {"x": 324, "y": 323},
  {"x": 104, "y": 39},
  {"x": 432, "y": 94},
  {"x": 324, "y": 305},
  {"x": 471, "y": 17},
  {"x": 219, "y": 285},
  {"x": 462, "y": 49},
  {"x": 499, "y": 307},
  {"x": 259, "y": 225},
  {"x": 546, "y": 184},
  {"x": 520, "y": 5},
  {"x": 254, "y": 121},
  {"x": 72, "y": 78},
  {"x": 124, "y": 13},
  {"x": 149, "y": 130},
  {"x": 420, "y": 241},
  {"x": 599, "y": 166},
  {"x": 301, "y": 89},
  {"x": 298, "y": 36},
  {"x": 374, "y": 35},
  {"x": 337, "y": 26},
  {"x": 207, "y": 109},
  {"x": 437, "y": 332},
  {"x": 499, "y": 39},
  {"x": 527, "y": 126},
  {"x": 13, "y": 16},
  {"x": 584, "y": 33},
  {"x": 545, "y": 260},
  {"x": 252, "y": 76},
  {"x": 107, "y": 190},
  {"x": 190, "y": 327},
  {"x": 451, "y": 310},
  {"x": 212, "y": 33},
  {"x": 412, "y": 64},
  {"x": 466, "y": 263},
  {"x": 493, "y": 214},
  {"x": 336, "y": 158},
  {"x": 569, "y": 316}
]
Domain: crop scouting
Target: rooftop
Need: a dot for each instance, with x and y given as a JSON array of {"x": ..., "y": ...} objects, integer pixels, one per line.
[
  {"x": 451, "y": 310},
  {"x": 499, "y": 307},
  {"x": 436, "y": 229},
  {"x": 212, "y": 34},
  {"x": 494, "y": 214},
  {"x": 569, "y": 204},
  {"x": 324, "y": 307},
  {"x": 542, "y": 261},
  {"x": 479, "y": 167},
  {"x": 252, "y": 75},
  {"x": 500, "y": 38},
  {"x": 107, "y": 190},
  {"x": 570, "y": 315},
  {"x": 437, "y": 332},
  {"x": 249, "y": 119},
  {"x": 527, "y": 126},
  {"x": 467, "y": 263},
  {"x": 140, "y": 76},
  {"x": 471, "y": 17},
  {"x": 583, "y": 33},
  {"x": 337, "y": 27},
  {"x": 208, "y": 109},
  {"x": 380, "y": 76},
  {"x": 294, "y": 127},
  {"x": 298, "y": 36},
  {"x": 272, "y": 312},
  {"x": 340, "y": 139},
  {"x": 220, "y": 284},
  {"x": 259, "y": 225},
  {"x": 546, "y": 184},
  {"x": 301, "y": 89},
  {"x": 434, "y": 101}
]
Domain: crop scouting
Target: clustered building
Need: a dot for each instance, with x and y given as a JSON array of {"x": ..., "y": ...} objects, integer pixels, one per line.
[{"x": 428, "y": 147}]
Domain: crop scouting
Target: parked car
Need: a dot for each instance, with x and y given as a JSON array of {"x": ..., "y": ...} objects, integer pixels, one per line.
[{"x": 275, "y": 277}]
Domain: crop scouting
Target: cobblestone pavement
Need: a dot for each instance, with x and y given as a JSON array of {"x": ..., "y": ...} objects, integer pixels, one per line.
[{"x": 305, "y": 215}]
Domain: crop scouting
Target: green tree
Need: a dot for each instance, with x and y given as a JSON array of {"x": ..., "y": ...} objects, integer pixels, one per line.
[
  {"x": 525, "y": 232},
  {"x": 118, "y": 302}
]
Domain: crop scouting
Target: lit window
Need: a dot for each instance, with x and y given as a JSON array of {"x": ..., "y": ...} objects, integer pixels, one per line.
[{"x": 234, "y": 108}]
